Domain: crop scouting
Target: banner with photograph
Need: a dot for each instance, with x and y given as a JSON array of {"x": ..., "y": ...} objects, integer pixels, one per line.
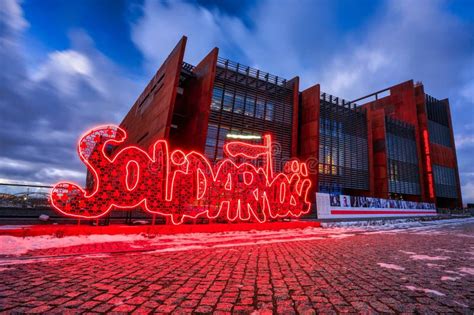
[{"x": 332, "y": 206}]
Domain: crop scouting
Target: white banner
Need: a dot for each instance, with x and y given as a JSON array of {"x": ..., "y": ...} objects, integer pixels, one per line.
[{"x": 332, "y": 206}]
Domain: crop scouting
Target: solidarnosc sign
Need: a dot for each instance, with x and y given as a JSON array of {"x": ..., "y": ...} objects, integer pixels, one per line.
[{"x": 183, "y": 185}]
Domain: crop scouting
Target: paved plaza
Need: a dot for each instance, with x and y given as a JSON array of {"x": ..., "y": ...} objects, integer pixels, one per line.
[{"x": 428, "y": 269}]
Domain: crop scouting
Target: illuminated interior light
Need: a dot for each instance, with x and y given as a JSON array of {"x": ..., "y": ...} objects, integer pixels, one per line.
[{"x": 243, "y": 137}]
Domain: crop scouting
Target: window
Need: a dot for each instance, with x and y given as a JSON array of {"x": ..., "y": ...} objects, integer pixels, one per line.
[
  {"x": 343, "y": 151},
  {"x": 210, "y": 152},
  {"x": 445, "y": 181},
  {"x": 249, "y": 106},
  {"x": 439, "y": 133},
  {"x": 211, "y": 141},
  {"x": 269, "y": 112},
  {"x": 260, "y": 109},
  {"x": 239, "y": 104},
  {"x": 228, "y": 100},
  {"x": 216, "y": 98}
]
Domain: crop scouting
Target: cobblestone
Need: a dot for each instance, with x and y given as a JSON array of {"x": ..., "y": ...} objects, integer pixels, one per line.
[{"x": 330, "y": 275}]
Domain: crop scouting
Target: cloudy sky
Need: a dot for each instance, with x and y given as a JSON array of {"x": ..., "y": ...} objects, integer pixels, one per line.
[{"x": 69, "y": 65}]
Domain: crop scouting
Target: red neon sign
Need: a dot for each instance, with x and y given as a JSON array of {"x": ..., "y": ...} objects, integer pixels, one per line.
[
  {"x": 428, "y": 163},
  {"x": 183, "y": 185}
]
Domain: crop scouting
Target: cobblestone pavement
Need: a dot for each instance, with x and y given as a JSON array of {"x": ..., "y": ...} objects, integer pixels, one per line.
[{"x": 413, "y": 270}]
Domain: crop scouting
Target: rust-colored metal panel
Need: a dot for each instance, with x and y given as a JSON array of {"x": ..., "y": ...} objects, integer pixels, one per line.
[
  {"x": 196, "y": 105},
  {"x": 294, "y": 132},
  {"x": 405, "y": 101},
  {"x": 380, "y": 174},
  {"x": 442, "y": 155},
  {"x": 309, "y": 133},
  {"x": 150, "y": 117},
  {"x": 454, "y": 159},
  {"x": 400, "y": 104},
  {"x": 370, "y": 150},
  {"x": 423, "y": 136}
]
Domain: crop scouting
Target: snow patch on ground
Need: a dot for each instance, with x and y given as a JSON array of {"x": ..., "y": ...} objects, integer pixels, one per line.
[
  {"x": 10, "y": 245},
  {"x": 94, "y": 256},
  {"x": 431, "y": 265},
  {"x": 13, "y": 227},
  {"x": 461, "y": 304},
  {"x": 176, "y": 249},
  {"x": 415, "y": 256},
  {"x": 400, "y": 224},
  {"x": 431, "y": 258},
  {"x": 444, "y": 250},
  {"x": 468, "y": 270},
  {"x": 390, "y": 266},
  {"x": 454, "y": 272},
  {"x": 447, "y": 278},
  {"x": 373, "y": 223},
  {"x": 7, "y": 262},
  {"x": 340, "y": 235},
  {"x": 464, "y": 235},
  {"x": 412, "y": 288}
]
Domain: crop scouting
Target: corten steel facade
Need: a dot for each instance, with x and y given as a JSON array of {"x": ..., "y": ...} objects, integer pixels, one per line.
[{"x": 399, "y": 145}]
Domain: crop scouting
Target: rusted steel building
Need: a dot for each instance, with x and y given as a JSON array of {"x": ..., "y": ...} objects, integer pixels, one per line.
[{"x": 395, "y": 143}]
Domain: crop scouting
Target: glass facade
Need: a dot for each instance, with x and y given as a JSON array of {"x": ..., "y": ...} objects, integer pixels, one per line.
[
  {"x": 402, "y": 158},
  {"x": 438, "y": 128},
  {"x": 438, "y": 121},
  {"x": 445, "y": 181},
  {"x": 343, "y": 146},
  {"x": 246, "y": 101}
]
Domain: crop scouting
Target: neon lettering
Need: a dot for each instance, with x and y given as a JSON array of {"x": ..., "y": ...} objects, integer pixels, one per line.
[
  {"x": 428, "y": 163},
  {"x": 183, "y": 185}
]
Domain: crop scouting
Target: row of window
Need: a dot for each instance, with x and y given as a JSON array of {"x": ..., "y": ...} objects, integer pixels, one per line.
[
  {"x": 399, "y": 128},
  {"x": 437, "y": 111},
  {"x": 348, "y": 126},
  {"x": 244, "y": 104},
  {"x": 401, "y": 187},
  {"x": 403, "y": 178},
  {"x": 444, "y": 175},
  {"x": 343, "y": 154},
  {"x": 401, "y": 149},
  {"x": 446, "y": 191},
  {"x": 445, "y": 181},
  {"x": 343, "y": 149},
  {"x": 331, "y": 177},
  {"x": 439, "y": 133}
]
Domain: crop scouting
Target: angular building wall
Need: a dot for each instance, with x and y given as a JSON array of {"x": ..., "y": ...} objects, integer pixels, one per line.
[
  {"x": 308, "y": 136},
  {"x": 414, "y": 155},
  {"x": 398, "y": 171},
  {"x": 191, "y": 115},
  {"x": 335, "y": 141},
  {"x": 443, "y": 153},
  {"x": 343, "y": 147},
  {"x": 150, "y": 117},
  {"x": 399, "y": 145}
]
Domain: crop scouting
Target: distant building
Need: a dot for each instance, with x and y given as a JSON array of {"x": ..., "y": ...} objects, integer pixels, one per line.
[{"x": 397, "y": 143}]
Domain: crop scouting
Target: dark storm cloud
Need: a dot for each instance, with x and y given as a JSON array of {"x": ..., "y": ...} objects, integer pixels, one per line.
[{"x": 44, "y": 112}]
